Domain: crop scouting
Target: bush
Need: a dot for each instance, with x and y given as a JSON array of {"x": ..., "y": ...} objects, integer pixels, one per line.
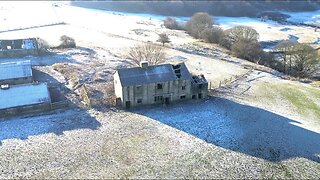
[
  {"x": 170, "y": 23},
  {"x": 268, "y": 59},
  {"x": 43, "y": 46},
  {"x": 199, "y": 22},
  {"x": 212, "y": 35},
  {"x": 245, "y": 49},
  {"x": 67, "y": 42}
]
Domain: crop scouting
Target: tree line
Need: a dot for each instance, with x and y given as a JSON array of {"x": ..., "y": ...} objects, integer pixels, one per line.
[
  {"x": 187, "y": 8},
  {"x": 296, "y": 59}
]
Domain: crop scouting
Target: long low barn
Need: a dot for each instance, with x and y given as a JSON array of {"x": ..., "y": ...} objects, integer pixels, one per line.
[
  {"x": 24, "y": 95},
  {"x": 17, "y": 72},
  {"x": 18, "y": 47}
]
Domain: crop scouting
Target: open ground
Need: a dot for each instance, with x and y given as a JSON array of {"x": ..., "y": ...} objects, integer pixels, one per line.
[{"x": 258, "y": 125}]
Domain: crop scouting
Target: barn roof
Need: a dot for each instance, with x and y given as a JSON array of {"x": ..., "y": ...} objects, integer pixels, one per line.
[
  {"x": 152, "y": 74},
  {"x": 16, "y": 69},
  {"x": 21, "y": 95}
]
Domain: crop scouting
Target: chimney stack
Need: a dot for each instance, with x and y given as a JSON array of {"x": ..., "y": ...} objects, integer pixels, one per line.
[{"x": 144, "y": 64}]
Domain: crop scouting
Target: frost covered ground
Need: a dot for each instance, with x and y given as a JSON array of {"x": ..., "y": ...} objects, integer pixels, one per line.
[{"x": 247, "y": 129}]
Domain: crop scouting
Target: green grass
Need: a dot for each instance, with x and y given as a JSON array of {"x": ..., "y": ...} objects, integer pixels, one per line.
[{"x": 302, "y": 98}]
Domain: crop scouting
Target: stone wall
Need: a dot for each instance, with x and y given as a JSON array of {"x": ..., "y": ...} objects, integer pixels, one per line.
[{"x": 18, "y": 53}]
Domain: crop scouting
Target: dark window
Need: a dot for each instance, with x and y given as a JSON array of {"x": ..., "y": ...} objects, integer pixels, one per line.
[
  {"x": 183, "y": 87},
  {"x": 139, "y": 101},
  {"x": 193, "y": 96},
  {"x": 159, "y": 86},
  {"x": 182, "y": 97},
  {"x": 200, "y": 96},
  {"x": 138, "y": 89},
  {"x": 200, "y": 86},
  {"x": 158, "y": 99}
]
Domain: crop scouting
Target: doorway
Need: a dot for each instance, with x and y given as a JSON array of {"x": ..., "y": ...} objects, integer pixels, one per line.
[
  {"x": 167, "y": 100},
  {"x": 127, "y": 104}
]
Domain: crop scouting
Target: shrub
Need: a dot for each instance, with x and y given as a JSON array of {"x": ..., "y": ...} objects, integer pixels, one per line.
[
  {"x": 212, "y": 35},
  {"x": 170, "y": 23},
  {"x": 245, "y": 49},
  {"x": 67, "y": 42},
  {"x": 43, "y": 46}
]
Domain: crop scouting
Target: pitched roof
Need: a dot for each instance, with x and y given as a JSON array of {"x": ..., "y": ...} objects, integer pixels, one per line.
[
  {"x": 17, "y": 69},
  {"x": 151, "y": 74},
  {"x": 22, "y": 95}
]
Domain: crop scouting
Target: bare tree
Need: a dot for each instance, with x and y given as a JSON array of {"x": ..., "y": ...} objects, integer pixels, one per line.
[
  {"x": 284, "y": 49},
  {"x": 152, "y": 53},
  {"x": 198, "y": 22},
  {"x": 305, "y": 60},
  {"x": 238, "y": 33},
  {"x": 163, "y": 38}
]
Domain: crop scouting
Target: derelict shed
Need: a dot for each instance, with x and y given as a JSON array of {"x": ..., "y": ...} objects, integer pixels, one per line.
[
  {"x": 17, "y": 72},
  {"x": 24, "y": 95}
]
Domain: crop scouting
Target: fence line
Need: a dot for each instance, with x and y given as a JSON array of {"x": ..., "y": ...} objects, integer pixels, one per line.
[{"x": 228, "y": 81}]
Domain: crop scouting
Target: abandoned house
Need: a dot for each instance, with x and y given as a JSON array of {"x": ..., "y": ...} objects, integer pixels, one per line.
[
  {"x": 158, "y": 84},
  {"x": 24, "y": 97},
  {"x": 17, "y": 72},
  {"x": 18, "y": 47}
]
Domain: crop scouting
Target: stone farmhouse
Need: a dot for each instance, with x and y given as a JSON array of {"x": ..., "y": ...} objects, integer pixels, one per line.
[
  {"x": 18, "y": 47},
  {"x": 158, "y": 84}
]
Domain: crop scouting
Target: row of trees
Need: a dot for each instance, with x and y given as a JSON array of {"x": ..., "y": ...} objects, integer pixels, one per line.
[
  {"x": 295, "y": 59},
  {"x": 241, "y": 40}
]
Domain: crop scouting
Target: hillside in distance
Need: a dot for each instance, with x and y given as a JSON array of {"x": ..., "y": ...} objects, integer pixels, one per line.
[{"x": 188, "y": 8}]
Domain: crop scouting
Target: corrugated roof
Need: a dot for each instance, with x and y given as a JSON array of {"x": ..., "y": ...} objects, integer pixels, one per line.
[
  {"x": 22, "y": 95},
  {"x": 17, "y": 69},
  {"x": 151, "y": 74}
]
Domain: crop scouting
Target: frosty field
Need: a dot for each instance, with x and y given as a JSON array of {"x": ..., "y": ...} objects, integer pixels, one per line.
[{"x": 259, "y": 126}]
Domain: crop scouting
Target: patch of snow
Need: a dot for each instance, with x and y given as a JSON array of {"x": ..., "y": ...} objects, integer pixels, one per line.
[
  {"x": 310, "y": 17},
  {"x": 19, "y": 15}
]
